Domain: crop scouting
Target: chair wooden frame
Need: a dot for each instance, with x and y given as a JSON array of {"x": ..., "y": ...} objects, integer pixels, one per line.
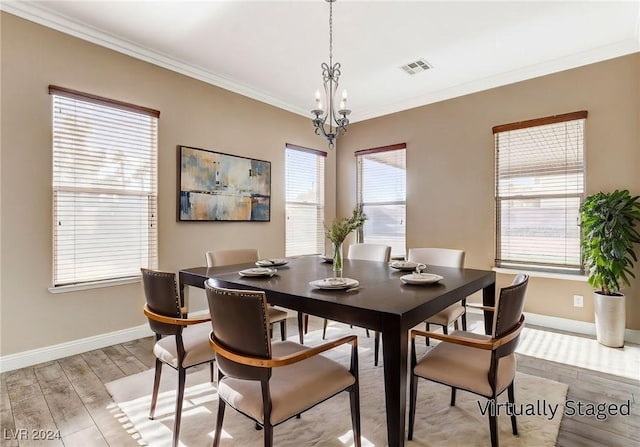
[
  {"x": 179, "y": 324},
  {"x": 500, "y": 347},
  {"x": 277, "y": 362}
]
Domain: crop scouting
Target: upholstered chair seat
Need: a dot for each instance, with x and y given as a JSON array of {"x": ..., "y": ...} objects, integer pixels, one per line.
[
  {"x": 446, "y": 316},
  {"x": 294, "y": 388},
  {"x": 465, "y": 368},
  {"x": 278, "y": 316},
  {"x": 195, "y": 351}
]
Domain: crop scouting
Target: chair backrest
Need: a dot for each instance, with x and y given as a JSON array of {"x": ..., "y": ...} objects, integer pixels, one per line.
[
  {"x": 520, "y": 277},
  {"x": 240, "y": 324},
  {"x": 221, "y": 258},
  {"x": 444, "y": 257},
  {"x": 369, "y": 252},
  {"x": 509, "y": 311},
  {"x": 162, "y": 297}
]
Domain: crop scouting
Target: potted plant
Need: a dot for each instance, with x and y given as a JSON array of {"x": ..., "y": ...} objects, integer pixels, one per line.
[
  {"x": 337, "y": 233},
  {"x": 608, "y": 236}
]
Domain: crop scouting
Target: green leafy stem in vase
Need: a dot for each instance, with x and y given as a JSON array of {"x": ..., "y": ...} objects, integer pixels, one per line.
[
  {"x": 337, "y": 233},
  {"x": 340, "y": 228}
]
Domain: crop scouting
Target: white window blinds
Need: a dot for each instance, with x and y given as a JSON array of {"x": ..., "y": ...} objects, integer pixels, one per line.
[
  {"x": 304, "y": 177},
  {"x": 382, "y": 191},
  {"x": 104, "y": 188},
  {"x": 539, "y": 188}
]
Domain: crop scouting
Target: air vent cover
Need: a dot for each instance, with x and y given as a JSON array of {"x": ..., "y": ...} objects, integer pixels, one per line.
[{"x": 417, "y": 66}]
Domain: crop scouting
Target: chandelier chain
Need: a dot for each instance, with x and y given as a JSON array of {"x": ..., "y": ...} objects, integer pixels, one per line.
[{"x": 331, "y": 34}]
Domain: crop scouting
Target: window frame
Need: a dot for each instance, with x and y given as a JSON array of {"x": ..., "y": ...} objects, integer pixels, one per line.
[
  {"x": 319, "y": 205},
  {"x": 522, "y": 263},
  {"x": 61, "y": 187},
  {"x": 361, "y": 204}
]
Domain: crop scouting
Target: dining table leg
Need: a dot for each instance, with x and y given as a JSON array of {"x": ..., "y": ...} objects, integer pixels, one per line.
[
  {"x": 182, "y": 294},
  {"x": 300, "y": 327},
  {"x": 489, "y": 299},
  {"x": 394, "y": 358}
]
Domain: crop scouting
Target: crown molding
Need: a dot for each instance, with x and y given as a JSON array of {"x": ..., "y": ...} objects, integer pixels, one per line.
[
  {"x": 600, "y": 54},
  {"x": 50, "y": 19}
]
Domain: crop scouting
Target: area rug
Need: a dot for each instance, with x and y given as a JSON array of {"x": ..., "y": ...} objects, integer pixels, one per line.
[{"x": 329, "y": 424}]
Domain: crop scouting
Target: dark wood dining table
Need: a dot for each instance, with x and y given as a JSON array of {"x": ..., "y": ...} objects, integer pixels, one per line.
[{"x": 382, "y": 303}]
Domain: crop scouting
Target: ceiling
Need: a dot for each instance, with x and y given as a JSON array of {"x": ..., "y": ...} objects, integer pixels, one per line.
[{"x": 272, "y": 50}]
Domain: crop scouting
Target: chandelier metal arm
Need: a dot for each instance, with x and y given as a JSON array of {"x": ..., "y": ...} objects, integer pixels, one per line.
[{"x": 335, "y": 120}]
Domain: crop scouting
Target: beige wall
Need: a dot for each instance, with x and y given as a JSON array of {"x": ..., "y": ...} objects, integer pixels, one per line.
[
  {"x": 192, "y": 113},
  {"x": 450, "y": 164},
  {"x": 450, "y": 170}
]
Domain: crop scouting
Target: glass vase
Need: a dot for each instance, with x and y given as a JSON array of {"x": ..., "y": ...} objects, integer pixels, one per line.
[{"x": 337, "y": 259}]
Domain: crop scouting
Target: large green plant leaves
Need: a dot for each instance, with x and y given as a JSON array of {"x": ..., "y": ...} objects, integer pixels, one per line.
[{"x": 608, "y": 236}]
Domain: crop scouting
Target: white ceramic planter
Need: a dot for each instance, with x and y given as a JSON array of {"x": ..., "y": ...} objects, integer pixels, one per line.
[{"x": 611, "y": 317}]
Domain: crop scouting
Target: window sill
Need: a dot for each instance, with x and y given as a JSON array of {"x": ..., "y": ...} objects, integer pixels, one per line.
[
  {"x": 538, "y": 274},
  {"x": 94, "y": 285}
]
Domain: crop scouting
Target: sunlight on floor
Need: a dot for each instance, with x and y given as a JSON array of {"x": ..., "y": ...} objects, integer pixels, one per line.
[
  {"x": 581, "y": 351},
  {"x": 347, "y": 439}
]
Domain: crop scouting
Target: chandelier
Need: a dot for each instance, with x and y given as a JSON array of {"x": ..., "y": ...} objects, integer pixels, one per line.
[{"x": 330, "y": 123}]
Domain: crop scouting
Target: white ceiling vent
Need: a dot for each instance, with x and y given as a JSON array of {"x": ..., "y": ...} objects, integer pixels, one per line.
[{"x": 416, "y": 66}]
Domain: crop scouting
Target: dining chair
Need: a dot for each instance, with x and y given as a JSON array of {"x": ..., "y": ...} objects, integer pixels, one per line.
[
  {"x": 367, "y": 252},
  {"x": 181, "y": 342},
  {"x": 219, "y": 258},
  {"x": 481, "y": 364},
  {"x": 444, "y": 257},
  {"x": 272, "y": 382}
]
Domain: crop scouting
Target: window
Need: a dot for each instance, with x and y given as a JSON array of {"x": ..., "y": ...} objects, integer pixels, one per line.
[
  {"x": 539, "y": 188},
  {"x": 304, "y": 178},
  {"x": 104, "y": 188},
  {"x": 382, "y": 193}
]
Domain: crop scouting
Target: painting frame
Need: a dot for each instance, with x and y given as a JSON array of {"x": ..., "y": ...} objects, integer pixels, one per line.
[{"x": 219, "y": 187}]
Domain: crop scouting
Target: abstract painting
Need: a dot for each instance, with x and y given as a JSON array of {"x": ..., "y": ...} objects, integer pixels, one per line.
[{"x": 213, "y": 186}]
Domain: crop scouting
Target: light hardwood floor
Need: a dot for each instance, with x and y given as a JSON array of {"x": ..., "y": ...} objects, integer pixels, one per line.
[{"x": 67, "y": 399}]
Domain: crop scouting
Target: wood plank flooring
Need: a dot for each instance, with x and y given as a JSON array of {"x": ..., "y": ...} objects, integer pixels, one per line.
[{"x": 66, "y": 399}]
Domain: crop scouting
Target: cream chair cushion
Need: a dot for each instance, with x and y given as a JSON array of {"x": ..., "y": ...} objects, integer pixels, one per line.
[
  {"x": 195, "y": 339},
  {"x": 294, "y": 388},
  {"x": 230, "y": 257},
  {"x": 464, "y": 367},
  {"x": 369, "y": 252},
  {"x": 276, "y": 315},
  {"x": 443, "y": 317},
  {"x": 445, "y": 257}
]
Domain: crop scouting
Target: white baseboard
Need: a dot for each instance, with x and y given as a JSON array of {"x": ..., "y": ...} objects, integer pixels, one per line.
[
  {"x": 578, "y": 327},
  {"x": 46, "y": 354},
  {"x": 54, "y": 352},
  {"x": 564, "y": 324}
]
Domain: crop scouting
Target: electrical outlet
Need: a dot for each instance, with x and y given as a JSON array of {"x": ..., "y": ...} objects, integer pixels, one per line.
[{"x": 578, "y": 301}]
